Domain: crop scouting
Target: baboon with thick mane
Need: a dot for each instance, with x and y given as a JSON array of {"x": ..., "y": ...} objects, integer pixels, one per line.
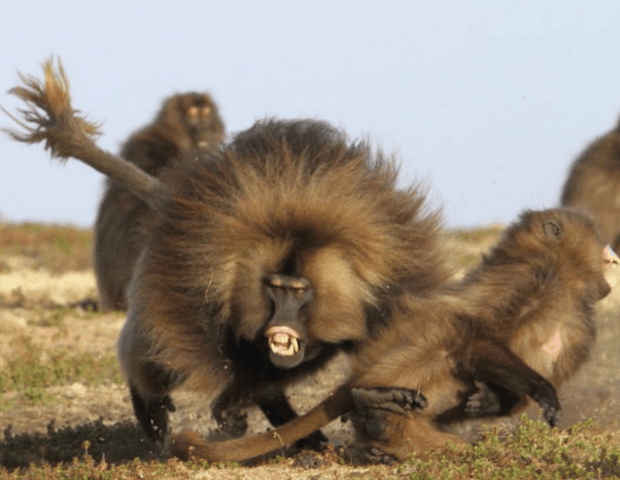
[
  {"x": 186, "y": 123},
  {"x": 265, "y": 257},
  {"x": 593, "y": 185},
  {"x": 458, "y": 352}
]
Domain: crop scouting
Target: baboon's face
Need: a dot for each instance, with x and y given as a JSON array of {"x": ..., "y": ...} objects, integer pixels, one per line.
[
  {"x": 294, "y": 302},
  {"x": 201, "y": 118},
  {"x": 574, "y": 238},
  {"x": 286, "y": 331}
]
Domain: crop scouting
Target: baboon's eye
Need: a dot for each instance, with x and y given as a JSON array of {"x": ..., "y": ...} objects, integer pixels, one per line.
[
  {"x": 298, "y": 286},
  {"x": 552, "y": 229}
]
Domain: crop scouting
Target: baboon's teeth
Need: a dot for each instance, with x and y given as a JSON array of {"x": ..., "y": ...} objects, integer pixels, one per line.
[
  {"x": 283, "y": 344},
  {"x": 283, "y": 340},
  {"x": 284, "y": 350}
]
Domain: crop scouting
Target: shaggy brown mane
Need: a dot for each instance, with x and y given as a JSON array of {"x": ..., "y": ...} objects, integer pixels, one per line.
[
  {"x": 281, "y": 187},
  {"x": 262, "y": 260}
]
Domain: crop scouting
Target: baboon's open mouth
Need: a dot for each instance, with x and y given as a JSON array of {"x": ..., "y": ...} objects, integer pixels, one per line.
[
  {"x": 283, "y": 340},
  {"x": 286, "y": 347}
]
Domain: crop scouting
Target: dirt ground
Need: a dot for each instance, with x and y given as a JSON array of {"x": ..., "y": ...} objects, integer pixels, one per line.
[{"x": 37, "y": 319}]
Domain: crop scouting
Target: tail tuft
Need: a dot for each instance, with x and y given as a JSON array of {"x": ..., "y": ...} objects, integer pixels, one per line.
[{"x": 48, "y": 116}]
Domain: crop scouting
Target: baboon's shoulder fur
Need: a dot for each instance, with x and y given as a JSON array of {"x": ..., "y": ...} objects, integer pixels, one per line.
[{"x": 283, "y": 191}]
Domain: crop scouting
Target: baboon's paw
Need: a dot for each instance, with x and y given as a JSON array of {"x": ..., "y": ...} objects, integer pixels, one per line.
[
  {"x": 231, "y": 421},
  {"x": 394, "y": 399},
  {"x": 546, "y": 396}
]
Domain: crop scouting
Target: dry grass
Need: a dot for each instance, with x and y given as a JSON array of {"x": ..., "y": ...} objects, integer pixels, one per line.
[
  {"x": 55, "y": 248},
  {"x": 65, "y": 412},
  {"x": 467, "y": 245}
]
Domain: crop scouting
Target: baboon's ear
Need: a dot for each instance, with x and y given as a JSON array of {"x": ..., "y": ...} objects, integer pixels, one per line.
[{"x": 552, "y": 229}]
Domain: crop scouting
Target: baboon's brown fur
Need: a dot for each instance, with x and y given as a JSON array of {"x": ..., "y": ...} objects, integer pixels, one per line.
[
  {"x": 593, "y": 184},
  {"x": 533, "y": 293},
  {"x": 186, "y": 123},
  {"x": 285, "y": 200}
]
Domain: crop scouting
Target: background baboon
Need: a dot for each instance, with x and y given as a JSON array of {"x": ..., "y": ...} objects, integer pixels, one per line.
[
  {"x": 186, "y": 123},
  {"x": 533, "y": 293},
  {"x": 265, "y": 257},
  {"x": 593, "y": 184}
]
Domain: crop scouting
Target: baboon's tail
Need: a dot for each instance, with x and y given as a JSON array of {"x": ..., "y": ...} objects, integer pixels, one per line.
[
  {"x": 49, "y": 117},
  {"x": 191, "y": 444}
]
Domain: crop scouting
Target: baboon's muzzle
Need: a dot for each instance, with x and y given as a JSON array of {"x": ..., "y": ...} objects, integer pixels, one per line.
[{"x": 286, "y": 333}]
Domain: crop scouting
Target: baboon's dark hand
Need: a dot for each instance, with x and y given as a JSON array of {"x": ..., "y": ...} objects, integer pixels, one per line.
[
  {"x": 550, "y": 413},
  {"x": 546, "y": 396},
  {"x": 394, "y": 399},
  {"x": 231, "y": 420}
]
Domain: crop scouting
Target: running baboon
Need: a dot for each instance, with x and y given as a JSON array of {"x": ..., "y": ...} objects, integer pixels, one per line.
[
  {"x": 593, "y": 184},
  {"x": 462, "y": 347},
  {"x": 265, "y": 257},
  {"x": 534, "y": 292},
  {"x": 186, "y": 123}
]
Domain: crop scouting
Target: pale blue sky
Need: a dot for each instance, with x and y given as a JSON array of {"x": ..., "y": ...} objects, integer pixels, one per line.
[{"x": 486, "y": 101}]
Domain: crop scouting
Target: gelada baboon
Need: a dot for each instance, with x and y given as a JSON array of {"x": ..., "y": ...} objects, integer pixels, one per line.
[
  {"x": 593, "y": 184},
  {"x": 186, "y": 123},
  {"x": 535, "y": 292},
  {"x": 267, "y": 256},
  {"x": 459, "y": 352}
]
